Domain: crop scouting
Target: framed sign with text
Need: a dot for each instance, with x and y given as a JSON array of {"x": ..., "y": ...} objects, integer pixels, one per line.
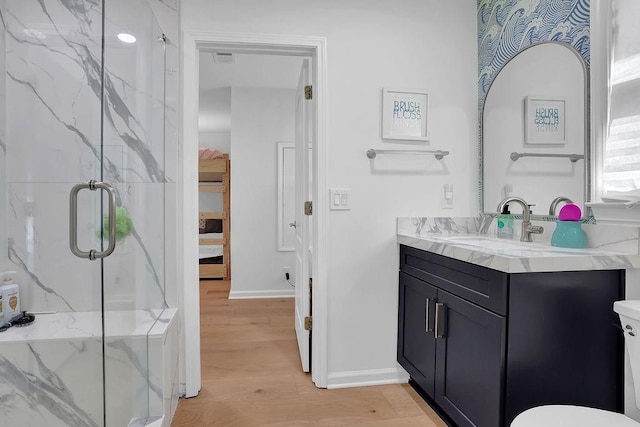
[
  {"x": 545, "y": 120},
  {"x": 404, "y": 114}
]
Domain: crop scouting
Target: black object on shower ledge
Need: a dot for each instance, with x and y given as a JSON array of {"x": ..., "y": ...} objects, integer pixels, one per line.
[{"x": 24, "y": 320}]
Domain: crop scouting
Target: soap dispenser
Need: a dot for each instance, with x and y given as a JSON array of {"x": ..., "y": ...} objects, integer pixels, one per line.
[
  {"x": 505, "y": 224},
  {"x": 569, "y": 232}
]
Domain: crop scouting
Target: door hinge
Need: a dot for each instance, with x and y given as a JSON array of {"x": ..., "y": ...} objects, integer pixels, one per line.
[
  {"x": 307, "y": 323},
  {"x": 308, "y": 92},
  {"x": 308, "y": 208}
]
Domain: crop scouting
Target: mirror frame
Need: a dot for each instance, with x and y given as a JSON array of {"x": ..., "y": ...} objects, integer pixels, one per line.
[{"x": 588, "y": 149}]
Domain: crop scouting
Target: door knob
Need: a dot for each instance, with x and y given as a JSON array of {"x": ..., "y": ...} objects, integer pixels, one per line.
[{"x": 292, "y": 224}]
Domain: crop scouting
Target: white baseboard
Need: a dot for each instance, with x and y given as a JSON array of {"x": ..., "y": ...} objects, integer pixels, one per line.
[
  {"x": 273, "y": 293},
  {"x": 367, "y": 378}
]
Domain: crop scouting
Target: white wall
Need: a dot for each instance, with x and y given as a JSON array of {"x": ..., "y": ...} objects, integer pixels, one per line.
[
  {"x": 260, "y": 117},
  {"x": 214, "y": 119},
  {"x": 219, "y": 140},
  {"x": 371, "y": 44}
]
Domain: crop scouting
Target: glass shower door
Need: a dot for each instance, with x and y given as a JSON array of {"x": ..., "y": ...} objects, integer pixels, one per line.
[
  {"x": 51, "y": 372},
  {"x": 134, "y": 157},
  {"x": 82, "y": 103}
]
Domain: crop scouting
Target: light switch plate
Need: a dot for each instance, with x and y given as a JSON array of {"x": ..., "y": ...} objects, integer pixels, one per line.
[{"x": 340, "y": 199}]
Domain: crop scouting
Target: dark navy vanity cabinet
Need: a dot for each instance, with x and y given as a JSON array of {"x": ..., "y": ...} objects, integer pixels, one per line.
[{"x": 483, "y": 345}]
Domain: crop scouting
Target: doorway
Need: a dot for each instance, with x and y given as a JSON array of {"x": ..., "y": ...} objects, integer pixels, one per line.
[
  {"x": 314, "y": 48},
  {"x": 246, "y": 109}
]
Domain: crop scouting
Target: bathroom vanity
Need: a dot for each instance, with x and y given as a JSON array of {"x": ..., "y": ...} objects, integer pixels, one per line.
[{"x": 488, "y": 329}]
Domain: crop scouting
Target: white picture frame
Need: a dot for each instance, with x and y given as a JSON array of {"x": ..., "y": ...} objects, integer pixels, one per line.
[
  {"x": 286, "y": 190},
  {"x": 545, "y": 120},
  {"x": 405, "y": 114}
]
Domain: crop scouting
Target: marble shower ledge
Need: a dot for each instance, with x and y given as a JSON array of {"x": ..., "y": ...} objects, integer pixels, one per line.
[
  {"x": 81, "y": 325},
  {"x": 472, "y": 240}
]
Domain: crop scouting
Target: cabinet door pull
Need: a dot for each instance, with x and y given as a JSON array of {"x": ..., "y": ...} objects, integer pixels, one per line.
[
  {"x": 427, "y": 326},
  {"x": 441, "y": 321}
]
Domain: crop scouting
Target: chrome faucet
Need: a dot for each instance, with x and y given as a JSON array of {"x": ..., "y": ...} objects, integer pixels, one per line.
[
  {"x": 527, "y": 228},
  {"x": 556, "y": 202}
]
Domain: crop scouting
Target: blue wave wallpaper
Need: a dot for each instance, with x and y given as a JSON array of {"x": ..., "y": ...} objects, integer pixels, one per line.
[{"x": 507, "y": 26}]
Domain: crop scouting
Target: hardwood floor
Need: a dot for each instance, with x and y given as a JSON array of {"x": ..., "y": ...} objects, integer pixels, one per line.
[{"x": 251, "y": 375}]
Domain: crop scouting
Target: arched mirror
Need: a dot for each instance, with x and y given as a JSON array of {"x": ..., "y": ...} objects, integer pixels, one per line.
[{"x": 535, "y": 130}]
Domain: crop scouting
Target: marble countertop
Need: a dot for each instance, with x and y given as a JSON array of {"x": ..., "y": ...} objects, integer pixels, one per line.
[{"x": 473, "y": 240}]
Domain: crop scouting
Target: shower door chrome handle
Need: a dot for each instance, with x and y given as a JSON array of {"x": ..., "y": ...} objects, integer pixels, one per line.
[
  {"x": 92, "y": 254},
  {"x": 112, "y": 218}
]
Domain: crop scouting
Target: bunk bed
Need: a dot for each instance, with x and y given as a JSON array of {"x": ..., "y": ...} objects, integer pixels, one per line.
[{"x": 214, "y": 227}]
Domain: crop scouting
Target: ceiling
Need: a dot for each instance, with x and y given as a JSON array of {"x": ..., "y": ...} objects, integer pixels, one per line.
[{"x": 247, "y": 70}]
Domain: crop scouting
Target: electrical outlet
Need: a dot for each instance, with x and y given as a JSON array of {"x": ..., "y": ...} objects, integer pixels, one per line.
[
  {"x": 507, "y": 190},
  {"x": 286, "y": 273},
  {"x": 446, "y": 198}
]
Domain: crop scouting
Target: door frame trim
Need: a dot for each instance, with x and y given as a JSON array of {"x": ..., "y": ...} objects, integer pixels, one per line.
[{"x": 187, "y": 191}]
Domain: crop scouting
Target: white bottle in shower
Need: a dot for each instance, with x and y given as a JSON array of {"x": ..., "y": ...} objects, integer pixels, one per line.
[{"x": 10, "y": 297}]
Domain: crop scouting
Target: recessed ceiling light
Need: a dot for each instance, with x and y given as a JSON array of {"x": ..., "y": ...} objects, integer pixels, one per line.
[{"x": 126, "y": 38}]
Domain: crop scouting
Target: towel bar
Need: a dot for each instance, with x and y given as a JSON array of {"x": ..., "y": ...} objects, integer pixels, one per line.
[
  {"x": 371, "y": 153},
  {"x": 572, "y": 157}
]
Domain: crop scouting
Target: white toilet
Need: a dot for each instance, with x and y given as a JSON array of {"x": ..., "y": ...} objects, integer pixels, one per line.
[{"x": 579, "y": 416}]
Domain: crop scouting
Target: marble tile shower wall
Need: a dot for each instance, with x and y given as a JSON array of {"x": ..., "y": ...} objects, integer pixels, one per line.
[
  {"x": 53, "y": 140},
  {"x": 134, "y": 145}
]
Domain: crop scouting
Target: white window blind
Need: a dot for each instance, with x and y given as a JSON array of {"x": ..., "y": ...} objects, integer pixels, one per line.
[{"x": 621, "y": 169}]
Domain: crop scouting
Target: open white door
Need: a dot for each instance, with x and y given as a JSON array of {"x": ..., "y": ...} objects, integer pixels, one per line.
[{"x": 303, "y": 290}]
